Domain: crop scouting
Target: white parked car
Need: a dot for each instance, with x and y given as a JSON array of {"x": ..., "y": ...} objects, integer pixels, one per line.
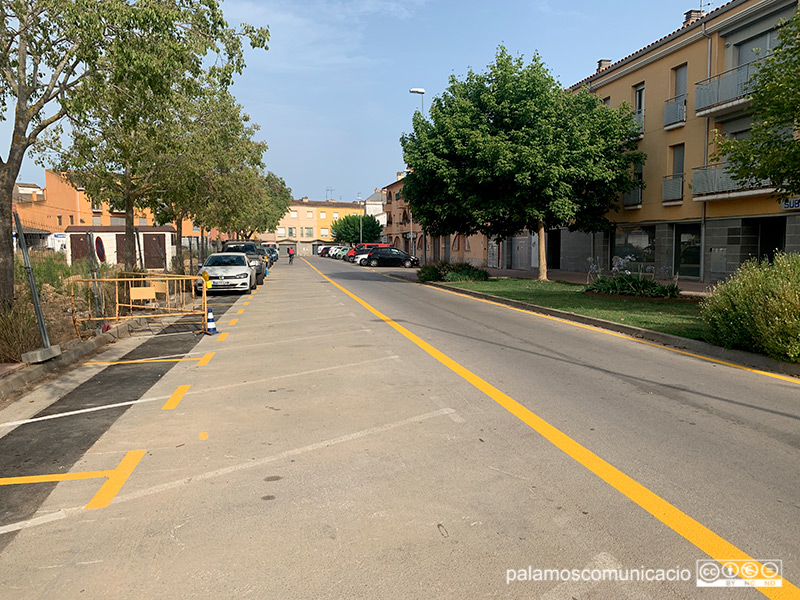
[
  {"x": 361, "y": 259},
  {"x": 228, "y": 272}
]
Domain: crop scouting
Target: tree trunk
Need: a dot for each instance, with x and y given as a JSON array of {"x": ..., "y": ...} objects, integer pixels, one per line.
[
  {"x": 130, "y": 234},
  {"x": 179, "y": 269},
  {"x": 8, "y": 175},
  {"x": 542, "y": 252}
]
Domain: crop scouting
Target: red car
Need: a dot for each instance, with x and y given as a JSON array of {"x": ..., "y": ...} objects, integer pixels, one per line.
[{"x": 361, "y": 248}]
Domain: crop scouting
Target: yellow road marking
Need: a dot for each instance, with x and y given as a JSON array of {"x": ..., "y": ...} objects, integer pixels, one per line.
[
  {"x": 693, "y": 531},
  {"x": 142, "y": 361},
  {"x": 222, "y": 336},
  {"x": 116, "y": 480},
  {"x": 233, "y": 321},
  {"x": 240, "y": 311},
  {"x": 203, "y": 435},
  {"x": 176, "y": 397},
  {"x": 622, "y": 336},
  {"x": 250, "y": 296},
  {"x": 246, "y": 303},
  {"x": 205, "y": 360}
]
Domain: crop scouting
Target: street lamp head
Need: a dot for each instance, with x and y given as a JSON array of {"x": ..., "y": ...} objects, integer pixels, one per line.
[{"x": 416, "y": 91}]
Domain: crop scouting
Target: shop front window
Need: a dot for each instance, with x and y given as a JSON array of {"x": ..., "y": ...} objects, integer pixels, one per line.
[
  {"x": 687, "y": 250},
  {"x": 638, "y": 242}
]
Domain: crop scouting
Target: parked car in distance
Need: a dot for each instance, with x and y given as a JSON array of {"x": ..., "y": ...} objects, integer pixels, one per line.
[
  {"x": 338, "y": 252},
  {"x": 266, "y": 256},
  {"x": 361, "y": 259},
  {"x": 256, "y": 260},
  {"x": 324, "y": 250},
  {"x": 391, "y": 257},
  {"x": 361, "y": 248},
  {"x": 227, "y": 272},
  {"x": 272, "y": 251}
]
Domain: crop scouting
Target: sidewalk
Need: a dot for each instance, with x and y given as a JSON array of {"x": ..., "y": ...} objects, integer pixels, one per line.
[{"x": 692, "y": 288}]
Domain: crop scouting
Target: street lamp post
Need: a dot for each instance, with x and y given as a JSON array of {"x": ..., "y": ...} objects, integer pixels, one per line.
[{"x": 421, "y": 92}]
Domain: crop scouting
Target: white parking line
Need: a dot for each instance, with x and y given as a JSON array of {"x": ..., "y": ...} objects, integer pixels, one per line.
[{"x": 62, "y": 514}]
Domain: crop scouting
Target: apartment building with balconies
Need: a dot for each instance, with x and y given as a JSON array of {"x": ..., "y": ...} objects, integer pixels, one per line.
[
  {"x": 307, "y": 224},
  {"x": 690, "y": 217}
]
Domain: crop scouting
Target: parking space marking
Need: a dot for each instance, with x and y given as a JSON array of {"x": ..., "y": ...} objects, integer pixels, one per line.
[
  {"x": 176, "y": 397},
  {"x": 233, "y": 321},
  {"x": 706, "y": 540},
  {"x": 205, "y": 360},
  {"x": 222, "y": 336},
  {"x": 145, "y": 361},
  {"x": 115, "y": 479},
  {"x": 246, "y": 303},
  {"x": 240, "y": 311},
  {"x": 203, "y": 435}
]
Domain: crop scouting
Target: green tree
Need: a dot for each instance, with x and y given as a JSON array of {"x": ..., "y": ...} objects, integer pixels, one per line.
[
  {"x": 771, "y": 152},
  {"x": 51, "y": 48},
  {"x": 353, "y": 229},
  {"x": 508, "y": 150}
]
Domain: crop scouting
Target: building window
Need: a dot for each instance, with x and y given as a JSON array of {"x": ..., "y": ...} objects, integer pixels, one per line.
[
  {"x": 687, "y": 250},
  {"x": 323, "y": 233},
  {"x": 59, "y": 220},
  {"x": 309, "y": 232},
  {"x": 142, "y": 221},
  {"x": 638, "y": 242},
  {"x": 97, "y": 221},
  {"x": 322, "y": 214},
  {"x": 293, "y": 214},
  {"x": 117, "y": 221},
  {"x": 195, "y": 228},
  {"x": 96, "y": 206},
  {"x": 336, "y": 215},
  {"x": 292, "y": 232},
  {"x": 607, "y": 100},
  {"x": 638, "y": 105},
  {"x": 466, "y": 244},
  {"x": 309, "y": 214},
  {"x": 281, "y": 232},
  {"x": 455, "y": 242}
]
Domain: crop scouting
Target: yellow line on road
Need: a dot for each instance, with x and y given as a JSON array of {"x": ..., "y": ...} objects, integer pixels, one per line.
[
  {"x": 206, "y": 358},
  {"x": 240, "y": 311},
  {"x": 203, "y": 435},
  {"x": 623, "y": 336},
  {"x": 233, "y": 321},
  {"x": 142, "y": 361},
  {"x": 176, "y": 397},
  {"x": 56, "y": 477},
  {"x": 246, "y": 303},
  {"x": 693, "y": 531},
  {"x": 222, "y": 337},
  {"x": 116, "y": 480}
]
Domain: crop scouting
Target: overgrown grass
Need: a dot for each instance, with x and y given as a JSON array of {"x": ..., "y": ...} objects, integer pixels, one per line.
[{"x": 682, "y": 319}]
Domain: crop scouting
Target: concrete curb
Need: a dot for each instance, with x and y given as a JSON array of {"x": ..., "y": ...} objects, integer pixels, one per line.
[
  {"x": 18, "y": 379},
  {"x": 739, "y": 357}
]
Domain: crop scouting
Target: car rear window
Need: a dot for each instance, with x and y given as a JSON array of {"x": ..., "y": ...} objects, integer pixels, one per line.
[
  {"x": 247, "y": 248},
  {"x": 226, "y": 261}
]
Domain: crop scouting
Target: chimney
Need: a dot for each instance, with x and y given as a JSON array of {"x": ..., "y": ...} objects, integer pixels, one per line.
[
  {"x": 692, "y": 15},
  {"x": 602, "y": 64}
]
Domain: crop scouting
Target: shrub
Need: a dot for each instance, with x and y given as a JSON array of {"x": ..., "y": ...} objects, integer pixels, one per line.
[
  {"x": 19, "y": 332},
  {"x": 758, "y": 308},
  {"x": 446, "y": 271},
  {"x": 628, "y": 284}
]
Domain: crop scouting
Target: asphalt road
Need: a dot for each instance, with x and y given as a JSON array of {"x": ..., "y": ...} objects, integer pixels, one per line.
[{"x": 358, "y": 436}]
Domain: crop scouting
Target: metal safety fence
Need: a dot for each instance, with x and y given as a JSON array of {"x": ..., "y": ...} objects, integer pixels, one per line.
[{"x": 151, "y": 296}]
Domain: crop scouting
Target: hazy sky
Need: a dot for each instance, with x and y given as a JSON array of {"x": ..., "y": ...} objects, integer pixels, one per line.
[{"x": 331, "y": 94}]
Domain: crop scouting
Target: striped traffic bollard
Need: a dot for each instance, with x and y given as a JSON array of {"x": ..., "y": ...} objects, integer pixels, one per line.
[{"x": 211, "y": 327}]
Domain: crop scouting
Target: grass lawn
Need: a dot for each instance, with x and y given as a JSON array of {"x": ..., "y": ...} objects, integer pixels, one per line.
[{"x": 676, "y": 318}]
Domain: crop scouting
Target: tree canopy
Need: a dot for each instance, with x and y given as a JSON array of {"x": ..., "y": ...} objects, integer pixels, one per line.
[
  {"x": 68, "y": 57},
  {"x": 507, "y": 150},
  {"x": 352, "y": 229},
  {"x": 771, "y": 151}
]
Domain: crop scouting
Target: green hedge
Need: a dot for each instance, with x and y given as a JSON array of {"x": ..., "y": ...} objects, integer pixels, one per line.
[
  {"x": 446, "y": 271},
  {"x": 758, "y": 308}
]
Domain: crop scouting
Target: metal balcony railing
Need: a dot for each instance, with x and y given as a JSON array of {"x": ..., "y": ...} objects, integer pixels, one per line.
[
  {"x": 672, "y": 188},
  {"x": 716, "y": 179},
  {"x": 726, "y": 87},
  {"x": 675, "y": 110},
  {"x": 632, "y": 198},
  {"x": 638, "y": 116}
]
